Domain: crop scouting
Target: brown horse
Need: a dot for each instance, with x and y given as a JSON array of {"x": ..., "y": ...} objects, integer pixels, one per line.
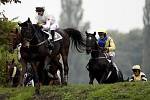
[
  {"x": 15, "y": 39},
  {"x": 14, "y": 42},
  {"x": 37, "y": 52}
]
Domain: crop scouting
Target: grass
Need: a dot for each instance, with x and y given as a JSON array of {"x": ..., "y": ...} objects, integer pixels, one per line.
[{"x": 117, "y": 91}]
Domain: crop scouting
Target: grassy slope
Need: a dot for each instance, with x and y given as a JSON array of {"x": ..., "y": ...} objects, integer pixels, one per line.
[{"x": 117, "y": 91}]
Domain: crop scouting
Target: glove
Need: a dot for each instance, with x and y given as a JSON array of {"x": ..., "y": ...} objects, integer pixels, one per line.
[
  {"x": 105, "y": 49},
  {"x": 40, "y": 25}
]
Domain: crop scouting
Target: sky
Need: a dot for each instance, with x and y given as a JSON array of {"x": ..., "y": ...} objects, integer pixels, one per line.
[{"x": 121, "y": 15}]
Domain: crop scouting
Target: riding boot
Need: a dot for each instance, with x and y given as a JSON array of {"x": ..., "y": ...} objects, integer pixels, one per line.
[
  {"x": 51, "y": 42},
  {"x": 113, "y": 64},
  {"x": 50, "y": 45},
  {"x": 53, "y": 34}
]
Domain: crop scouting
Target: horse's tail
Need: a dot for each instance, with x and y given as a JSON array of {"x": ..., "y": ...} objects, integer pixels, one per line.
[{"x": 77, "y": 38}]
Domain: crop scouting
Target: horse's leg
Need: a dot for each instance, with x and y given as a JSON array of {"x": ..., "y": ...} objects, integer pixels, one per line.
[
  {"x": 91, "y": 78},
  {"x": 58, "y": 81},
  {"x": 61, "y": 74},
  {"x": 60, "y": 68},
  {"x": 66, "y": 68},
  {"x": 46, "y": 70},
  {"x": 120, "y": 76},
  {"x": 36, "y": 78},
  {"x": 24, "y": 64}
]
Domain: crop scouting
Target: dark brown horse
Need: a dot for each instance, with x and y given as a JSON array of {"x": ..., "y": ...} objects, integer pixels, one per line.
[
  {"x": 14, "y": 42},
  {"x": 15, "y": 39},
  {"x": 13, "y": 73},
  {"x": 38, "y": 52},
  {"x": 99, "y": 65}
]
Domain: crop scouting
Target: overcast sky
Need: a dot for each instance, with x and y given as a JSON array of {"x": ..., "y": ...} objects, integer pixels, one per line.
[{"x": 122, "y": 15}]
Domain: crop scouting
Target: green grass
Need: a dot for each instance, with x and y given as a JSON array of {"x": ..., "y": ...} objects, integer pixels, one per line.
[{"x": 117, "y": 91}]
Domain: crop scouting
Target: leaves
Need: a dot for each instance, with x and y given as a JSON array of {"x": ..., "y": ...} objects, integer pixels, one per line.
[
  {"x": 10, "y": 1},
  {"x": 5, "y": 28}
]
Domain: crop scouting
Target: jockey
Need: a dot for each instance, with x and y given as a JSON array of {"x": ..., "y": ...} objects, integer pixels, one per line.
[
  {"x": 48, "y": 24},
  {"x": 108, "y": 45},
  {"x": 138, "y": 75}
]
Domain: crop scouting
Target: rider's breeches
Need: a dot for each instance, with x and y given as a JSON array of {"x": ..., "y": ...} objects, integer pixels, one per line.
[{"x": 112, "y": 56}]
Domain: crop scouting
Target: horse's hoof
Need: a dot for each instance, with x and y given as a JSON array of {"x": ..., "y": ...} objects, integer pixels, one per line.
[
  {"x": 63, "y": 83},
  {"x": 90, "y": 83},
  {"x": 36, "y": 96}
]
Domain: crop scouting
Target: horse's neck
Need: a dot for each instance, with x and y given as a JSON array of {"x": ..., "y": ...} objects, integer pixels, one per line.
[
  {"x": 96, "y": 52},
  {"x": 19, "y": 39},
  {"x": 40, "y": 36}
]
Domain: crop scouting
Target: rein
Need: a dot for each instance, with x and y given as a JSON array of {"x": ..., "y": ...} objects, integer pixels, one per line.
[
  {"x": 35, "y": 33},
  {"x": 39, "y": 44},
  {"x": 105, "y": 55}
]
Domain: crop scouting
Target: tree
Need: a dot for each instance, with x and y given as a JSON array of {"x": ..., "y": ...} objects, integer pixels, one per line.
[
  {"x": 71, "y": 15},
  {"x": 9, "y": 1},
  {"x": 146, "y": 34}
]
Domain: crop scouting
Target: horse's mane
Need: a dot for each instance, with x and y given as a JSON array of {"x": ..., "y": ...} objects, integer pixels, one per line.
[{"x": 36, "y": 30}]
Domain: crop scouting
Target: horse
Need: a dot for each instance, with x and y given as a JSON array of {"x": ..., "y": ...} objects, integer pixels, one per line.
[
  {"x": 13, "y": 73},
  {"x": 32, "y": 34},
  {"x": 99, "y": 66},
  {"x": 15, "y": 41}
]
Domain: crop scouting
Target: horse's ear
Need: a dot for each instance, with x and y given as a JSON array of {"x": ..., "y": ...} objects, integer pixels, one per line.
[
  {"x": 86, "y": 32},
  {"x": 94, "y": 33},
  {"x": 29, "y": 19},
  {"x": 20, "y": 24}
]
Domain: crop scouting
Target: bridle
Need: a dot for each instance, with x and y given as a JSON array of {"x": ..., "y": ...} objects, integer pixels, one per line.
[
  {"x": 95, "y": 48},
  {"x": 29, "y": 31}
]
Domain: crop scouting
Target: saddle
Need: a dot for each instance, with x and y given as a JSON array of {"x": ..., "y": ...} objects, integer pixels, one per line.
[{"x": 57, "y": 37}]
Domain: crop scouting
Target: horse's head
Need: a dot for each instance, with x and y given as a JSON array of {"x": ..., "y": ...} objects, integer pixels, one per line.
[
  {"x": 90, "y": 42},
  {"x": 14, "y": 39},
  {"x": 27, "y": 32}
]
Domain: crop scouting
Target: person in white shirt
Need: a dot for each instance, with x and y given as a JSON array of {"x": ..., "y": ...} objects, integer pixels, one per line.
[
  {"x": 47, "y": 22},
  {"x": 138, "y": 75}
]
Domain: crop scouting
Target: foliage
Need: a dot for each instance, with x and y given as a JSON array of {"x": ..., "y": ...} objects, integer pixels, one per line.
[
  {"x": 9, "y": 1},
  {"x": 117, "y": 91},
  {"x": 5, "y": 28},
  {"x": 72, "y": 14}
]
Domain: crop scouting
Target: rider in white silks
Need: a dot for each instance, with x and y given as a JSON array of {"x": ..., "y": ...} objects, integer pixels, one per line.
[{"x": 48, "y": 24}]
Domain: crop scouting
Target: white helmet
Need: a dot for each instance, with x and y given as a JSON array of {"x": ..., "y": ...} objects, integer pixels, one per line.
[{"x": 136, "y": 67}]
